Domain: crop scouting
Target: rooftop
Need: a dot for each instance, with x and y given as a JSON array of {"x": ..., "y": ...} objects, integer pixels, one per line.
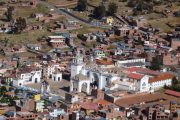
[
  {"x": 104, "y": 62},
  {"x": 103, "y": 102},
  {"x": 135, "y": 76},
  {"x": 173, "y": 93},
  {"x": 163, "y": 76},
  {"x": 142, "y": 99},
  {"x": 89, "y": 106},
  {"x": 143, "y": 71}
]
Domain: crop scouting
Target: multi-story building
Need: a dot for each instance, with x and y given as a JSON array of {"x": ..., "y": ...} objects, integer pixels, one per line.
[
  {"x": 174, "y": 107},
  {"x": 157, "y": 113},
  {"x": 57, "y": 41}
]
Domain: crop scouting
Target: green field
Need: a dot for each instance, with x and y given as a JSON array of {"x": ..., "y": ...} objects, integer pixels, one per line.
[{"x": 25, "y": 37}]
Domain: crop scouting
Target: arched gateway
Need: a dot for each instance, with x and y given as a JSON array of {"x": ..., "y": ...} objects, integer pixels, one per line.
[{"x": 80, "y": 83}]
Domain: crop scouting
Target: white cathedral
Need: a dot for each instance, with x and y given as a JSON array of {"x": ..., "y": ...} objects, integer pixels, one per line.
[
  {"x": 90, "y": 74},
  {"x": 85, "y": 76}
]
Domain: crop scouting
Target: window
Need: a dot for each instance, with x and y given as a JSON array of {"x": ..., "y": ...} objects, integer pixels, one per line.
[
  {"x": 36, "y": 80},
  {"x": 88, "y": 74}
]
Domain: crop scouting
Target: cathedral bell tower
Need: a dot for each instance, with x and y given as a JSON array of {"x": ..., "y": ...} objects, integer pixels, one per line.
[{"x": 77, "y": 64}]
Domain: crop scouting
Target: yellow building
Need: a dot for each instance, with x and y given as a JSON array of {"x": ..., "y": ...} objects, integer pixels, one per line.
[
  {"x": 2, "y": 110},
  {"x": 109, "y": 20},
  {"x": 37, "y": 97}
]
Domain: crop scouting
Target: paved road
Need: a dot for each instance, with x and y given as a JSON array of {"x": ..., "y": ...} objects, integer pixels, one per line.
[
  {"x": 121, "y": 19},
  {"x": 66, "y": 13}
]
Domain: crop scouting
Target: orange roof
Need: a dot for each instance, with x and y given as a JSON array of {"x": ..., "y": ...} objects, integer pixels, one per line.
[
  {"x": 104, "y": 62},
  {"x": 103, "y": 102},
  {"x": 89, "y": 106},
  {"x": 135, "y": 76},
  {"x": 161, "y": 77},
  {"x": 143, "y": 71},
  {"x": 133, "y": 69}
]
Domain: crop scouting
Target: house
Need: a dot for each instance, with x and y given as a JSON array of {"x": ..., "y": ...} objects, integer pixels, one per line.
[
  {"x": 99, "y": 54},
  {"x": 26, "y": 115},
  {"x": 157, "y": 112},
  {"x": 122, "y": 30},
  {"x": 174, "y": 105},
  {"x": 57, "y": 75},
  {"x": 89, "y": 108},
  {"x": 171, "y": 58},
  {"x": 25, "y": 104},
  {"x": 51, "y": 70},
  {"x": 111, "y": 113},
  {"x": 90, "y": 37},
  {"x": 175, "y": 43},
  {"x": 27, "y": 75},
  {"x": 68, "y": 37},
  {"x": 117, "y": 51},
  {"x": 34, "y": 46},
  {"x": 108, "y": 20},
  {"x": 38, "y": 16},
  {"x": 57, "y": 41},
  {"x": 57, "y": 112},
  {"x": 39, "y": 105}
]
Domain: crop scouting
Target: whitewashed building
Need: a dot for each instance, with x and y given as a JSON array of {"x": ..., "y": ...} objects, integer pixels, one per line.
[
  {"x": 27, "y": 75},
  {"x": 106, "y": 75}
]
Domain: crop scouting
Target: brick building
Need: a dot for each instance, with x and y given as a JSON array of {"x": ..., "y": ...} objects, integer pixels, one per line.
[
  {"x": 175, "y": 43},
  {"x": 171, "y": 58},
  {"x": 174, "y": 106},
  {"x": 157, "y": 112},
  {"x": 57, "y": 41}
]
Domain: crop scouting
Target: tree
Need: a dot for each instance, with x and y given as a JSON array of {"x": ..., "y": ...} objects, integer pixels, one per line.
[
  {"x": 144, "y": 6},
  {"x": 131, "y": 3},
  {"x": 81, "y": 36},
  {"x": 20, "y": 24},
  {"x": 155, "y": 64},
  {"x": 175, "y": 81},
  {"x": 100, "y": 11},
  {"x": 112, "y": 9},
  {"x": 9, "y": 13},
  {"x": 3, "y": 90},
  {"x": 82, "y": 5}
]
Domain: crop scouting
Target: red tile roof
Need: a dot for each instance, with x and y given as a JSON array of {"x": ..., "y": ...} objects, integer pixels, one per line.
[
  {"x": 163, "y": 76},
  {"x": 143, "y": 71},
  {"x": 89, "y": 106},
  {"x": 103, "y": 102},
  {"x": 104, "y": 62},
  {"x": 133, "y": 69},
  {"x": 173, "y": 93},
  {"x": 135, "y": 76}
]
